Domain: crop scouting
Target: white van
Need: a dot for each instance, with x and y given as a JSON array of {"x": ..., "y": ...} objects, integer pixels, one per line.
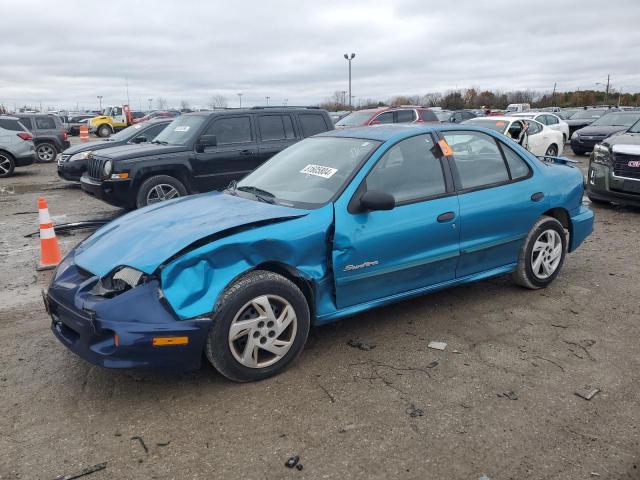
[{"x": 518, "y": 107}]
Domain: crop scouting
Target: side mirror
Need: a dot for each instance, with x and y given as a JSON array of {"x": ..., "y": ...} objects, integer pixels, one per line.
[
  {"x": 375, "y": 200},
  {"x": 206, "y": 141}
]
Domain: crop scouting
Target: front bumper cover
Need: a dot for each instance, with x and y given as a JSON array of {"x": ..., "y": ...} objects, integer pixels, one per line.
[{"x": 88, "y": 325}]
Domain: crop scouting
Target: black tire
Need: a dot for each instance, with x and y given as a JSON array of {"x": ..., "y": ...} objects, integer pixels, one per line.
[
  {"x": 578, "y": 152},
  {"x": 564, "y": 139},
  {"x": 46, "y": 152},
  {"x": 524, "y": 274},
  {"x": 552, "y": 151},
  {"x": 249, "y": 287},
  {"x": 145, "y": 190},
  {"x": 104, "y": 131},
  {"x": 7, "y": 164}
]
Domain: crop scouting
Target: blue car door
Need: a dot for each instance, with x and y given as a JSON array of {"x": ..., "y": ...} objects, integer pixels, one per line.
[
  {"x": 379, "y": 254},
  {"x": 500, "y": 199}
]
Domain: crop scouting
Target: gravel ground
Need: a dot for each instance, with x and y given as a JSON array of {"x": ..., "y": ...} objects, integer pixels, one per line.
[{"x": 499, "y": 401}]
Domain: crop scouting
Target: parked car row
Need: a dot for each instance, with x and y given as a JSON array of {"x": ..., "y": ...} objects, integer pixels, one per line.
[{"x": 16, "y": 145}]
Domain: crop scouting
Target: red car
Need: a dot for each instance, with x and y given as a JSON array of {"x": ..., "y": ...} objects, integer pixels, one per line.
[
  {"x": 376, "y": 116},
  {"x": 152, "y": 115}
]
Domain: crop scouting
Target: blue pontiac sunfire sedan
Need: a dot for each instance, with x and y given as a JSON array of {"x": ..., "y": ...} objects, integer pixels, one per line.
[{"x": 337, "y": 224}]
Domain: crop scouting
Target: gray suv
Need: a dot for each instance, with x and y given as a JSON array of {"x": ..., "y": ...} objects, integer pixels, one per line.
[
  {"x": 16, "y": 146},
  {"x": 49, "y": 134}
]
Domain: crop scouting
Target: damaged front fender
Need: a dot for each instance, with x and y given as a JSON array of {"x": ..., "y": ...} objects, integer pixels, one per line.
[{"x": 193, "y": 281}]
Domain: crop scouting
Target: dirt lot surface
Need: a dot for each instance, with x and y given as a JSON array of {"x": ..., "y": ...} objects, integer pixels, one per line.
[{"x": 499, "y": 401}]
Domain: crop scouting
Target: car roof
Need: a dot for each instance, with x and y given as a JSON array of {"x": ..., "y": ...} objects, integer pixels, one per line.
[
  {"x": 9, "y": 117},
  {"x": 381, "y": 133},
  {"x": 502, "y": 118},
  {"x": 235, "y": 111}
]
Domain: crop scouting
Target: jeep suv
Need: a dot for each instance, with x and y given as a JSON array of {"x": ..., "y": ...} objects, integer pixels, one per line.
[
  {"x": 16, "y": 146},
  {"x": 49, "y": 134},
  {"x": 198, "y": 152}
]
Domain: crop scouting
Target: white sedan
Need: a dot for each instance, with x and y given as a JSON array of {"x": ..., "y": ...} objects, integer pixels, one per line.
[
  {"x": 552, "y": 121},
  {"x": 539, "y": 139}
]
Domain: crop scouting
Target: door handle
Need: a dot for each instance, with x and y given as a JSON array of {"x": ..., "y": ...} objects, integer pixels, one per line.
[
  {"x": 536, "y": 197},
  {"x": 246, "y": 152},
  {"x": 445, "y": 217}
]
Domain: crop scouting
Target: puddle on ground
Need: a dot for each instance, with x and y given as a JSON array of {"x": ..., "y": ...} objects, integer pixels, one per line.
[{"x": 30, "y": 188}]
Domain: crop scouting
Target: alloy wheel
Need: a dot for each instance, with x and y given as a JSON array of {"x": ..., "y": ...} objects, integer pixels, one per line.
[
  {"x": 546, "y": 254},
  {"x": 263, "y": 331},
  {"x": 46, "y": 153},
  {"x": 5, "y": 165},
  {"x": 552, "y": 151},
  {"x": 162, "y": 192}
]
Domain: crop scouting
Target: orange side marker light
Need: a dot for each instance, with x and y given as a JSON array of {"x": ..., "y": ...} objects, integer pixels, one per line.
[{"x": 167, "y": 341}]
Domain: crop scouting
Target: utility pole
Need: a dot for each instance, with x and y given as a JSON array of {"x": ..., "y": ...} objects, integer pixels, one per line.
[
  {"x": 553, "y": 95},
  {"x": 150, "y": 100},
  {"x": 240, "y": 99},
  {"x": 127, "y": 82},
  {"x": 349, "y": 58},
  {"x": 267, "y": 99},
  {"x": 606, "y": 94},
  {"x": 100, "y": 99}
]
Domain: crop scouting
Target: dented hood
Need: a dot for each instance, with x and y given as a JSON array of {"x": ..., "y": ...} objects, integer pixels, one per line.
[{"x": 144, "y": 239}]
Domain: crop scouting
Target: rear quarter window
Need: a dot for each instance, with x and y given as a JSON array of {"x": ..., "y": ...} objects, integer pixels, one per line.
[
  {"x": 26, "y": 121},
  {"x": 312, "y": 124},
  {"x": 428, "y": 116},
  {"x": 12, "y": 125},
  {"x": 45, "y": 123}
]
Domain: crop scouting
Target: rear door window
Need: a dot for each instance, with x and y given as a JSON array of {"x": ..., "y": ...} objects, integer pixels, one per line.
[
  {"x": 45, "y": 123},
  {"x": 386, "y": 117},
  {"x": 312, "y": 124},
  {"x": 231, "y": 130},
  {"x": 517, "y": 166},
  {"x": 477, "y": 159},
  {"x": 404, "y": 116},
  {"x": 275, "y": 127}
]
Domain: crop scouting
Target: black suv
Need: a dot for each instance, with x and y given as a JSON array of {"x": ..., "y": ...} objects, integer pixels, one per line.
[
  {"x": 72, "y": 163},
  {"x": 49, "y": 134},
  {"x": 198, "y": 152}
]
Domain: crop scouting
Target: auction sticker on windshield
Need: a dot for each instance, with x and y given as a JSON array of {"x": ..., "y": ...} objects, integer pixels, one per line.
[
  {"x": 181, "y": 128},
  {"x": 319, "y": 171}
]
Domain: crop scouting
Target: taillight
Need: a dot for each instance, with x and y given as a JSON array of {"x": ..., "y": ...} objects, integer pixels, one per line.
[
  {"x": 25, "y": 136},
  {"x": 64, "y": 135}
]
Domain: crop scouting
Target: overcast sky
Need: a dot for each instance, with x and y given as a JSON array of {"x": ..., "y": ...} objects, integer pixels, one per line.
[{"x": 67, "y": 53}]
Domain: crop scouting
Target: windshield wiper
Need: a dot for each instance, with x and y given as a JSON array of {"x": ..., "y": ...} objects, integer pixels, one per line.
[
  {"x": 260, "y": 194},
  {"x": 159, "y": 142}
]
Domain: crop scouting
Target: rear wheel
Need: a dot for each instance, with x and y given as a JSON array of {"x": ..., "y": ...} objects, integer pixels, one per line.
[
  {"x": 104, "y": 131},
  {"x": 7, "y": 165},
  {"x": 260, "y": 326},
  {"x": 158, "y": 189},
  {"x": 552, "y": 151},
  {"x": 542, "y": 254},
  {"x": 46, "y": 152}
]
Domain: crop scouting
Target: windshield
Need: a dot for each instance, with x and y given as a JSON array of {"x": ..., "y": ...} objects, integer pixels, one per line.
[
  {"x": 587, "y": 114},
  {"x": 618, "y": 119},
  {"x": 486, "y": 122},
  {"x": 126, "y": 134},
  {"x": 106, "y": 112},
  {"x": 354, "y": 119},
  {"x": 180, "y": 131},
  {"x": 309, "y": 173}
]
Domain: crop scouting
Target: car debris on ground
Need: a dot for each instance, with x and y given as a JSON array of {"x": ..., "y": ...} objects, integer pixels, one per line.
[
  {"x": 82, "y": 473},
  {"x": 588, "y": 392},
  {"x": 360, "y": 345},
  {"x": 437, "y": 345}
]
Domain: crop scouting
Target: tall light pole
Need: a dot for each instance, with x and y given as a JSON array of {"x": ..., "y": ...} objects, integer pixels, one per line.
[
  {"x": 349, "y": 58},
  {"x": 240, "y": 99},
  {"x": 267, "y": 99},
  {"x": 150, "y": 100},
  {"x": 100, "y": 99}
]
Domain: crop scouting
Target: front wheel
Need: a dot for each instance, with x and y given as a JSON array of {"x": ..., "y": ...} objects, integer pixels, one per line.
[
  {"x": 542, "y": 254},
  {"x": 104, "y": 131},
  {"x": 158, "y": 189},
  {"x": 7, "y": 165},
  {"x": 260, "y": 326}
]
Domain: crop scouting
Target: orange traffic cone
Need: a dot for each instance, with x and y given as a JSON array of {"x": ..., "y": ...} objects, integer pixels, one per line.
[
  {"x": 49, "y": 250},
  {"x": 84, "y": 133}
]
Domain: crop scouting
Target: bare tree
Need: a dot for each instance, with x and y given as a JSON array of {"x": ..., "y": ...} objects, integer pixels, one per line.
[
  {"x": 432, "y": 99},
  {"x": 184, "y": 105},
  {"x": 161, "y": 103},
  {"x": 218, "y": 101}
]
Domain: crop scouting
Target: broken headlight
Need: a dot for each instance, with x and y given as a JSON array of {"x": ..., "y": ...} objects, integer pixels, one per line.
[{"x": 118, "y": 281}]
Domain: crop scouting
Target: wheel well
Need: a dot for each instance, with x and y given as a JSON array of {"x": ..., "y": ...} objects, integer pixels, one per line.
[
  {"x": 4, "y": 152},
  {"x": 179, "y": 174},
  {"x": 290, "y": 273},
  {"x": 562, "y": 216}
]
